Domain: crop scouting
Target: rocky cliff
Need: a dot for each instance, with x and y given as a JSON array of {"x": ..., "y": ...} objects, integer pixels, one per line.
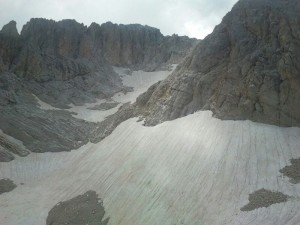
[
  {"x": 49, "y": 50},
  {"x": 66, "y": 62},
  {"x": 47, "y": 56},
  {"x": 141, "y": 47},
  {"x": 248, "y": 68},
  {"x": 9, "y": 45},
  {"x": 55, "y": 55}
]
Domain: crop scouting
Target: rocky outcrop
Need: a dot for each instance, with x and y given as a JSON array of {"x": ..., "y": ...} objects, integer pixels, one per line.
[
  {"x": 129, "y": 45},
  {"x": 248, "y": 68},
  {"x": 48, "y": 57},
  {"x": 82, "y": 209},
  {"x": 292, "y": 171},
  {"x": 6, "y": 185},
  {"x": 66, "y": 62},
  {"x": 10, "y": 29},
  {"x": 39, "y": 130},
  {"x": 263, "y": 199},
  {"x": 62, "y": 50},
  {"x": 9, "y": 45},
  {"x": 8, "y": 147},
  {"x": 141, "y": 47},
  {"x": 56, "y": 51}
]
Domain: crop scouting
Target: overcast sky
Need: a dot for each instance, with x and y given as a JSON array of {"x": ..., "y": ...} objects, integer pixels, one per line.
[{"x": 194, "y": 18}]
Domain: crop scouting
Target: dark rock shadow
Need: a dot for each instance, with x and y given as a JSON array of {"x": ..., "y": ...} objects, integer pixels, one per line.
[
  {"x": 81, "y": 210},
  {"x": 6, "y": 185},
  {"x": 292, "y": 171},
  {"x": 264, "y": 198}
]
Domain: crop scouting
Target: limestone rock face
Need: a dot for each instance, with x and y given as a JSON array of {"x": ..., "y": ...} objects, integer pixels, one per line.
[
  {"x": 50, "y": 51},
  {"x": 62, "y": 50},
  {"x": 129, "y": 45},
  {"x": 66, "y": 62},
  {"x": 48, "y": 57},
  {"x": 10, "y": 29},
  {"x": 9, "y": 45},
  {"x": 141, "y": 47},
  {"x": 7, "y": 147},
  {"x": 39, "y": 130},
  {"x": 248, "y": 68}
]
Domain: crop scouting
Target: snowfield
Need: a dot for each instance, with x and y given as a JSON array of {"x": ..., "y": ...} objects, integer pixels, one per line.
[
  {"x": 196, "y": 170},
  {"x": 139, "y": 81}
]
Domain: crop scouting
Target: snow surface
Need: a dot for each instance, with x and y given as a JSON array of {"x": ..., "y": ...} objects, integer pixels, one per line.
[
  {"x": 193, "y": 170},
  {"x": 83, "y": 112},
  {"x": 196, "y": 170},
  {"x": 140, "y": 81}
]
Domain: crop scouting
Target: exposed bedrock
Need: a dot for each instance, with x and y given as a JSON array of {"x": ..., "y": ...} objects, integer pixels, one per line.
[
  {"x": 83, "y": 209},
  {"x": 141, "y": 47},
  {"x": 39, "y": 130},
  {"x": 8, "y": 147},
  {"x": 263, "y": 199},
  {"x": 6, "y": 185},
  {"x": 49, "y": 50},
  {"x": 248, "y": 68},
  {"x": 66, "y": 62},
  {"x": 53, "y": 64},
  {"x": 292, "y": 171}
]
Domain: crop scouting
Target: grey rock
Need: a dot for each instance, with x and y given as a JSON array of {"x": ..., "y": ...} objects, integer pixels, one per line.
[
  {"x": 66, "y": 62},
  {"x": 292, "y": 171},
  {"x": 45, "y": 131},
  {"x": 5, "y": 156},
  {"x": 6, "y": 185},
  {"x": 60, "y": 64},
  {"x": 263, "y": 199},
  {"x": 10, "y": 29},
  {"x": 141, "y": 47},
  {"x": 104, "y": 106},
  {"x": 83, "y": 209},
  {"x": 107, "y": 126},
  {"x": 246, "y": 69},
  {"x": 39, "y": 130},
  {"x": 12, "y": 147},
  {"x": 9, "y": 45}
]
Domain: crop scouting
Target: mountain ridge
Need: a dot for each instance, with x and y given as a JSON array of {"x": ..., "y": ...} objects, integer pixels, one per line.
[
  {"x": 63, "y": 63},
  {"x": 134, "y": 45},
  {"x": 245, "y": 69}
]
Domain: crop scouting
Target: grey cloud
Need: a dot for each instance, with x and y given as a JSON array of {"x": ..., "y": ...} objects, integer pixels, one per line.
[{"x": 194, "y": 18}]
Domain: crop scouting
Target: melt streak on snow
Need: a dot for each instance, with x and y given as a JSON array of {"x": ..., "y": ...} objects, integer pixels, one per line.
[{"x": 195, "y": 170}]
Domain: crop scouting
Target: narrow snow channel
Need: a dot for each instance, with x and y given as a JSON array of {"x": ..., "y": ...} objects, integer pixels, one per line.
[{"x": 140, "y": 81}]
